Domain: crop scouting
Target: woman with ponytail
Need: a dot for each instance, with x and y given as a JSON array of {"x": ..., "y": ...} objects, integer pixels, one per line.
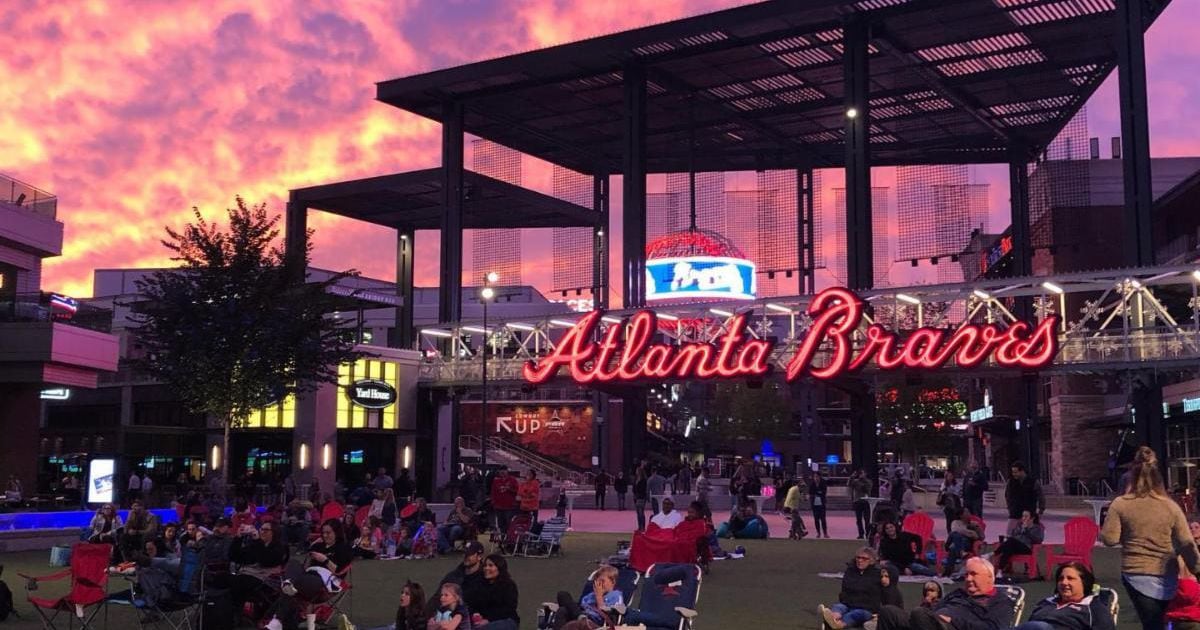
[{"x": 1153, "y": 534}]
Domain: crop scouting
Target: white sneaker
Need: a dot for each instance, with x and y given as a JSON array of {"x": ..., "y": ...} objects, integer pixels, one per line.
[
  {"x": 288, "y": 588},
  {"x": 274, "y": 624}
]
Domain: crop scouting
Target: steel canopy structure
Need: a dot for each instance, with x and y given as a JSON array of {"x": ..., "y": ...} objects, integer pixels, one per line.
[{"x": 761, "y": 86}]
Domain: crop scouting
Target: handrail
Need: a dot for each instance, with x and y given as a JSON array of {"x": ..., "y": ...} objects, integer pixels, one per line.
[{"x": 544, "y": 466}]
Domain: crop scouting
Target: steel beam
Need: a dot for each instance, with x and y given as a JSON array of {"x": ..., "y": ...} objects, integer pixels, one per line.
[
  {"x": 601, "y": 236},
  {"x": 1018, "y": 185},
  {"x": 450, "y": 287},
  {"x": 1135, "y": 132},
  {"x": 805, "y": 228},
  {"x": 633, "y": 168},
  {"x": 403, "y": 334},
  {"x": 1146, "y": 400},
  {"x": 856, "y": 77},
  {"x": 864, "y": 430}
]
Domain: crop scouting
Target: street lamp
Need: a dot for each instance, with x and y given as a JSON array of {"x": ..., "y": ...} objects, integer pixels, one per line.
[{"x": 485, "y": 295}]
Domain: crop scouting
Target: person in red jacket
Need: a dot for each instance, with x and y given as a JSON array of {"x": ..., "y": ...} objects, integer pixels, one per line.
[{"x": 504, "y": 497}]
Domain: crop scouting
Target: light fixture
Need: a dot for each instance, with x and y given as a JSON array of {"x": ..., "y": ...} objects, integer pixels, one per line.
[
  {"x": 562, "y": 322},
  {"x": 717, "y": 311},
  {"x": 475, "y": 329},
  {"x": 1053, "y": 288},
  {"x": 303, "y": 457},
  {"x": 779, "y": 308},
  {"x": 610, "y": 319},
  {"x": 981, "y": 294},
  {"x": 599, "y": 232},
  {"x": 433, "y": 332},
  {"x": 404, "y": 237},
  {"x": 907, "y": 298},
  {"x": 487, "y": 293},
  {"x": 326, "y": 456},
  {"x": 492, "y": 276},
  {"x": 407, "y": 456},
  {"x": 214, "y": 458},
  {"x": 1196, "y": 275},
  {"x": 1135, "y": 283},
  {"x": 667, "y": 316},
  {"x": 852, "y": 113},
  {"x": 520, "y": 326}
]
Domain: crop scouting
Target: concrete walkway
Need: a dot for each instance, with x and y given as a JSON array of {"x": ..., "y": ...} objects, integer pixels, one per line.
[{"x": 841, "y": 523}]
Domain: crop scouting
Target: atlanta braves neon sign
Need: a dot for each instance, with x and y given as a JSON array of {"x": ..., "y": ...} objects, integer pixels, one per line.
[{"x": 625, "y": 353}]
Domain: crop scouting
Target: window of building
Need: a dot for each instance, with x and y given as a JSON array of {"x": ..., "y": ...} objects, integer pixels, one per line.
[
  {"x": 281, "y": 415},
  {"x": 352, "y": 416}
]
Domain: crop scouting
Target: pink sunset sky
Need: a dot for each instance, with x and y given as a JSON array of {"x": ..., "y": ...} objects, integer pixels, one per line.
[{"x": 133, "y": 112}]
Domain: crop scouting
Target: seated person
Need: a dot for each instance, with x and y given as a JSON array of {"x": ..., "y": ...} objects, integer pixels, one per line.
[
  {"x": 495, "y": 598},
  {"x": 455, "y": 528},
  {"x": 141, "y": 526},
  {"x": 596, "y": 609},
  {"x": 1072, "y": 605},
  {"x": 1027, "y": 533},
  {"x": 370, "y": 542},
  {"x": 169, "y": 545},
  {"x": 319, "y": 578},
  {"x": 297, "y": 522},
  {"x": 105, "y": 525},
  {"x": 889, "y": 579},
  {"x": 452, "y": 612},
  {"x": 261, "y": 557},
  {"x": 244, "y": 513},
  {"x": 351, "y": 528},
  {"x": 419, "y": 517},
  {"x": 861, "y": 594},
  {"x": 977, "y": 605},
  {"x": 214, "y": 552},
  {"x": 931, "y": 594},
  {"x": 964, "y": 532},
  {"x": 901, "y": 548},
  {"x": 745, "y": 524},
  {"x": 410, "y": 614},
  {"x": 1184, "y": 610},
  {"x": 668, "y": 518}
]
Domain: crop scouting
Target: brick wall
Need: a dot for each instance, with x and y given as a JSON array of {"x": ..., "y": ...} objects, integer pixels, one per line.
[{"x": 1075, "y": 449}]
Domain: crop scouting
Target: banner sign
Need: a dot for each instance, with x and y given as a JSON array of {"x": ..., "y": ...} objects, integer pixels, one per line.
[
  {"x": 625, "y": 352},
  {"x": 700, "y": 277}
]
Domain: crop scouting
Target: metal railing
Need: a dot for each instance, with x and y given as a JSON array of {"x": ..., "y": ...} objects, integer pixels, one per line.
[
  {"x": 544, "y": 467},
  {"x": 36, "y": 307},
  {"x": 27, "y": 197},
  {"x": 1122, "y": 319}
]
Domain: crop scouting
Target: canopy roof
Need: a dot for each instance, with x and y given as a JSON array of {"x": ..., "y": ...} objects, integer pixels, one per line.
[{"x": 761, "y": 86}]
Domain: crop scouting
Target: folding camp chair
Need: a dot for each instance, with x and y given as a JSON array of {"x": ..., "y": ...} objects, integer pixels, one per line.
[
  {"x": 89, "y": 584},
  {"x": 544, "y": 543},
  {"x": 1109, "y": 597},
  {"x": 339, "y": 602},
  {"x": 669, "y": 594},
  {"x": 506, "y": 542},
  {"x": 627, "y": 581},
  {"x": 176, "y": 612},
  {"x": 1016, "y": 595}
]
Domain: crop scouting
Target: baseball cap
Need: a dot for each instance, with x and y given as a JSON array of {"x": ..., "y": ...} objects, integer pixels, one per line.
[{"x": 473, "y": 547}]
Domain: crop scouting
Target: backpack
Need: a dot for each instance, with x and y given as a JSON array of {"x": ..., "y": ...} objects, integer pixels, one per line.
[{"x": 6, "y": 599}]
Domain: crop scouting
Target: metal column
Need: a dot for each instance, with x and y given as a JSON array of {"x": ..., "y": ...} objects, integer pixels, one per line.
[
  {"x": 1135, "y": 132},
  {"x": 402, "y": 335},
  {"x": 633, "y": 167},
  {"x": 1030, "y": 391},
  {"x": 450, "y": 287},
  {"x": 1018, "y": 184},
  {"x": 600, "y": 239},
  {"x": 805, "y": 226},
  {"x": 864, "y": 440},
  {"x": 1146, "y": 400},
  {"x": 859, "y": 250},
  {"x": 295, "y": 239}
]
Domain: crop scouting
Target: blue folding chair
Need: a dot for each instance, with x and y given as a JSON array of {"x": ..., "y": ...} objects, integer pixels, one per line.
[
  {"x": 627, "y": 581},
  {"x": 670, "y": 593}
]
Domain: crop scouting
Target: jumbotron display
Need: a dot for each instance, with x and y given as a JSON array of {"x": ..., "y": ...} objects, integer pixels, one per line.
[{"x": 698, "y": 264}]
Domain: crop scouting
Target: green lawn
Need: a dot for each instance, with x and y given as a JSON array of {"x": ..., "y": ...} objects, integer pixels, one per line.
[{"x": 775, "y": 585}]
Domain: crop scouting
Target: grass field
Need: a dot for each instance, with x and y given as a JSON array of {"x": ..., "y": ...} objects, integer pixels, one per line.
[{"x": 774, "y": 586}]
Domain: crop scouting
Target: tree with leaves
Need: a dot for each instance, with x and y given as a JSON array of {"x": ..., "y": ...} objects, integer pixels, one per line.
[
  {"x": 236, "y": 327},
  {"x": 742, "y": 412}
]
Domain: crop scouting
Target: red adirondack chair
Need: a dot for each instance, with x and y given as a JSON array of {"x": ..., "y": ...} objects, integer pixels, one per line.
[
  {"x": 921, "y": 524},
  {"x": 361, "y": 514},
  {"x": 89, "y": 585},
  {"x": 1079, "y": 538}
]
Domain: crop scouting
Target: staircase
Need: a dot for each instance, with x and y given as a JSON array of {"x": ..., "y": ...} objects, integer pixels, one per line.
[{"x": 520, "y": 459}]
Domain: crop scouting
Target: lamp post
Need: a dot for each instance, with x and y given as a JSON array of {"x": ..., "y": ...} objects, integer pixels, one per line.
[{"x": 485, "y": 295}]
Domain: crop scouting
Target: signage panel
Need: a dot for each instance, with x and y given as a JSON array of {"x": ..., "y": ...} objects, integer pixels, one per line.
[
  {"x": 981, "y": 414},
  {"x": 371, "y": 393},
  {"x": 700, "y": 277},
  {"x": 100, "y": 480}
]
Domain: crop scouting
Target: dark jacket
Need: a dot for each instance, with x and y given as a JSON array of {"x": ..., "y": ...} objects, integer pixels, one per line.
[
  {"x": 341, "y": 554},
  {"x": 815, "y": 490},
  {"x": 1090, "y": 614},
  {"x": 493, "y": 600},
  {"x": 891, "y": 592},
  {"x": 861, "y": 589},
  {"x": 901, "y": 551},
  {"x": 254, "y": 552},
  {"x": 389, "y": 514},
  {"x": 986, "y": 612},
  {"x": 974, "y": 486},
  {"x": 460, "y": 577},
  {"x": 1022, "y": 495}
]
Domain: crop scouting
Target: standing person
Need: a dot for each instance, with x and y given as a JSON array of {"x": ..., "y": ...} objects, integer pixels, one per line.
[
  {"x": 404, "y": 486},
  {"x": 950, "y": 498},
  {"x": 974, "y": 484},
  {"x": 529, "y": 495},
  {"x": 504, "y": 498},
  {"x": 133, "y": 491},
  {"x": 684, "y": 479},
  {"x": 147, "y": 488},
  {"x": 656, "y": 486},
  {"x": 639, "y": 497},
  {"x": 896, "y": 490},
  {"x": 382, "y": 481},
  {"x": 1152, "y": 532},
  {"x": 703, "y": 487},
  {"x": 860, "y": 489},
  {"x": 1023, "y": 493},
  {"x": 601, "y": 487},
  {"x": 817, "y": 489},
  {"x": 621, "y": 486}
]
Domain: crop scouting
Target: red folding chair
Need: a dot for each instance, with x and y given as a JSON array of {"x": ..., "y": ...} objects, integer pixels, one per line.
[
  {"x": 507, "y": 542},
  {"x": 361, "y": 515},
  {"x": 1079, "y": 538},
  {"x": 339, "y": 601},
  {"x": 1028, "y": 560},
  {"x": 89, "y": 585}
]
